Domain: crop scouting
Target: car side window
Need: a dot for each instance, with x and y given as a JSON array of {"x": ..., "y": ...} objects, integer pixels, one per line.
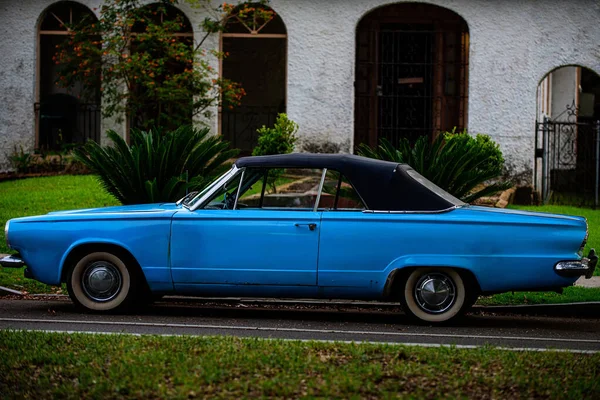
[
  {"x": 339, "y": 194},
  {"x": 280, "y": 188}
]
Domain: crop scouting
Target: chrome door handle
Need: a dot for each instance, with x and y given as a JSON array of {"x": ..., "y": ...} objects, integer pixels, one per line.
[{"x": 311, "y": 226}]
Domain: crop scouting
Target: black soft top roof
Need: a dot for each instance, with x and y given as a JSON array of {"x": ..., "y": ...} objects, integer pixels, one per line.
[{"x": 383, "y": 185}]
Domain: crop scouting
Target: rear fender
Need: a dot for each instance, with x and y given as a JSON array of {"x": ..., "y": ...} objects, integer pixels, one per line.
[
  {"x": 402, "y": 265},
  {"x": 429, "y": 260}
]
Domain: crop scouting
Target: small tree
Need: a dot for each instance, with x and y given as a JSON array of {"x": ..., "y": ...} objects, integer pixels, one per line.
[
  {"x": 146, "y": 64},
  {"x": 279, "y": 139}
]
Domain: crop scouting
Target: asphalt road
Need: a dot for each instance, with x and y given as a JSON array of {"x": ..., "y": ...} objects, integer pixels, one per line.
[{"x": 572, "y": 328}]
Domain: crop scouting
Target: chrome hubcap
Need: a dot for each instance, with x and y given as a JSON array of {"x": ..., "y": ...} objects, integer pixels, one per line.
[
  {"x": 435, "y": 293},
  {"x": 101, "y": 281}
]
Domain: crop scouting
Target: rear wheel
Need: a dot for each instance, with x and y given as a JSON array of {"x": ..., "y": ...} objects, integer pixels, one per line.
[
  {"x": 101, "y": 281},
  {"x": 434, "y": 295}
]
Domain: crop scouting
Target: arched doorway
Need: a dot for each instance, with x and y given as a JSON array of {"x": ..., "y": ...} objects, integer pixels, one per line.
[
  {"x": 63, "y": 115},
  {"x": 567, "y": 143},
  {"x": 411, "y": 73},
  {"x": 256, "y": 57}
]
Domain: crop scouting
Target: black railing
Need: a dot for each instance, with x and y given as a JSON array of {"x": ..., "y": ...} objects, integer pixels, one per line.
[
  {"x": 62, "y": 123},
  {"x": 239, "y": 125},
  {"x": 567, "y": 162}
]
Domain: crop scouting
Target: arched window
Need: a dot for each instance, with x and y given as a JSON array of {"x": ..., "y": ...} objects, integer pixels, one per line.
[
  {"x": 411, "y": 73},
  {"x": 255, "y": 51},
  {"x": 148, "y": 109},
  {"x": 63, "y": 115}
]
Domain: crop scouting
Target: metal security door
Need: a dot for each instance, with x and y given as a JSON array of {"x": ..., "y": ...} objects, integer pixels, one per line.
[
  {"x": 405, "y": 87},
  {"x": 411, "y": 80},
  {"x": 566, "y": 167}
]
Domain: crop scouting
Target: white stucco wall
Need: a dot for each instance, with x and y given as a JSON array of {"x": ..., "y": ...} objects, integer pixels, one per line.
[{"x": 514, "y": 43}]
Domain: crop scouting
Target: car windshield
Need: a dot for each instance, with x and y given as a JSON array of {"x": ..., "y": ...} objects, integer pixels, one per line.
[
  {"x": 434, "y": 188},
  {"x": 225, "y": 197},
  {"x": 189, "y": 201}
]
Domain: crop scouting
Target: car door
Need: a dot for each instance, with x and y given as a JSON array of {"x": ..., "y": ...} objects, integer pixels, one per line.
[
  {"x": 350, "y": 249},
  {"x": 269, "y": 236}
]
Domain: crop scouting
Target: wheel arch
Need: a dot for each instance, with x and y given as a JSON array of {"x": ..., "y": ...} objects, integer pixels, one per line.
[
  {"x": 79, "y": 249},
  {"x": 395, "y": 280}
]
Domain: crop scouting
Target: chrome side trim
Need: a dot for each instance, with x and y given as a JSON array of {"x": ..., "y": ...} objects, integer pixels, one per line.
[
  {"x": 215, "y": 186},
  {"x": 320, "y": 190},
  {"x": 411, "y": 212},
  {"x": 12, "y": 262}
]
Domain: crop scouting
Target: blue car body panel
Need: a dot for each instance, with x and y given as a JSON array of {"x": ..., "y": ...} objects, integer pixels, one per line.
[
  {"x": 349, "y": 254},
  {"x": 44, "y": 242},
  {"x": 245, "y": 247},
  {"x": 504, "y": 249}
]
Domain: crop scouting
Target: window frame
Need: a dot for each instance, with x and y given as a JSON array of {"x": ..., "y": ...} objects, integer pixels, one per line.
[
  {"x": 337, "y": 195},
  {"x": 209, "y": 192},
  {"x": 264, "y": 186},
  {"x": 233, "y": 173}
]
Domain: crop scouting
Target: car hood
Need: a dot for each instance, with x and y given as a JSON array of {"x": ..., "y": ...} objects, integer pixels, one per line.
[
  {"x": 138, "y": 208},
  {"x": 141, "y": 211}
]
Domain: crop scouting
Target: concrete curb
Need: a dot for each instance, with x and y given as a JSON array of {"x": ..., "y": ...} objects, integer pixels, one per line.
[
  {"x": 317, "y": 302},
  {"x": 583, "y": 309},
  {"x": 4, "y": 291}
]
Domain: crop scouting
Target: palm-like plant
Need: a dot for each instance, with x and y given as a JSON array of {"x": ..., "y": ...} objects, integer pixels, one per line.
[
  {"x": 456, "y": 162},
  {"x": 157, "y": 166}
]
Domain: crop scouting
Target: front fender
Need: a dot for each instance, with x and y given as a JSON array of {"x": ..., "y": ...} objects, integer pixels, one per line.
[
  {"x": 45, "y": 245},
  {"x": 88, "y": 241}
]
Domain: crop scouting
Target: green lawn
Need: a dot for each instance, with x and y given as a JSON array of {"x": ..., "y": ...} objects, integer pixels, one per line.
[
  {"x": 36, "y": 196},
  {"x": 51, "y": 365},
  {"x": 573, "y": 294}
]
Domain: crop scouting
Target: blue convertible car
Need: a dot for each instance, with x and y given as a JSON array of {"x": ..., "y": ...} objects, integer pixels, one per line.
[{"x": 304, "y": 225}]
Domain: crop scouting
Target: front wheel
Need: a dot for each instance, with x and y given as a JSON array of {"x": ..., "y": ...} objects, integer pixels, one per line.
[
  {"x": 100, "y": 281},
  {"x": 434, "y": 295}
]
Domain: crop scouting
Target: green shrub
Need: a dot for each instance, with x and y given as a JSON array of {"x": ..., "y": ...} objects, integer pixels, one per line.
[
  {"x": 457, "y": 162},
  {"x": 279, "y": 139},
  {"x": 157, "y": 166}
]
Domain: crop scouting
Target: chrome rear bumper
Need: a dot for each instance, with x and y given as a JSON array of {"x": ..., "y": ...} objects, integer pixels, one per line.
[
  {"x": 585, "y": 266},
  {"x": 12, "y": 262}
]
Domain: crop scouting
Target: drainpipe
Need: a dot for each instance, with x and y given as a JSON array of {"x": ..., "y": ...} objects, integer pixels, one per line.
[{"x": 597, "y": 162}]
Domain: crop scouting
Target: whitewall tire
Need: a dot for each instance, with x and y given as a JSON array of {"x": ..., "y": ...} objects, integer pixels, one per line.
[
  {"x": 100, "y": 281},
  {"x": 434, "y": 295}
]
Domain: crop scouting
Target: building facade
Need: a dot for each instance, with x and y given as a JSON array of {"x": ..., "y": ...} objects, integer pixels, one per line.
[{"x": 347, "y": 71}]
